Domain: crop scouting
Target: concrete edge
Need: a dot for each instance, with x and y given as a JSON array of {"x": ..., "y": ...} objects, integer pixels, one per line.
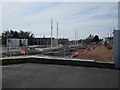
[{"x": 8, "y": 61}]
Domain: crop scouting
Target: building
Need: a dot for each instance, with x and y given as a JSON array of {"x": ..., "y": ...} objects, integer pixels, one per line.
[
  {"x": 63, "y": 41},
  {"x": 47, "y": 41},
  {"x": 40, "y": 41},
  {"x": 15, "y": 42}
]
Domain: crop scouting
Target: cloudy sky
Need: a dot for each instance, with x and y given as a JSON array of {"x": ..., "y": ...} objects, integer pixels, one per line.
[{"x": 85, "y": 17}]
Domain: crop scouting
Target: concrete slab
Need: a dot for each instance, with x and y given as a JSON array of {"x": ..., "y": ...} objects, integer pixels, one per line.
[{"x": 57, "y": 76}]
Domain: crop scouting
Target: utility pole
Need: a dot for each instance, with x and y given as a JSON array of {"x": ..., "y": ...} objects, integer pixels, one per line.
[
  {"x": 51, "y": 32},
  {"x": 75, "y": 37},
  {"x": 81, "y": 40},
  {"x": 110, "y": 33},
  {"x": 57, "y": 33}
]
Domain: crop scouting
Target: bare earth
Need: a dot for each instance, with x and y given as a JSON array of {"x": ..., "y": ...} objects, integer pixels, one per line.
[{"x": 100, "y": 53}]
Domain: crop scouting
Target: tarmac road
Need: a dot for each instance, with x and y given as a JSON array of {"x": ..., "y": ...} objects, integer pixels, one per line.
[{"x": 31, "y": 75}]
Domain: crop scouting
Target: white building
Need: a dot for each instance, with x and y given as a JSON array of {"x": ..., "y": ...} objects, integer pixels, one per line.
[{"x": 15, "y": 42}]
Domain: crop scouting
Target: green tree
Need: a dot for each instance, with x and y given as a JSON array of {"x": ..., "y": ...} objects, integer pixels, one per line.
[
  {"x": 96, "y": 38},
  {"x": 26, "y": 34},
  {"x": 15, "y": 34}
]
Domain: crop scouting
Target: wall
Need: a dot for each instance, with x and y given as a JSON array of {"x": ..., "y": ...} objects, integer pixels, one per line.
[
  {"x": 116, "y": 48},
  {"x": 13, "y": 42}
]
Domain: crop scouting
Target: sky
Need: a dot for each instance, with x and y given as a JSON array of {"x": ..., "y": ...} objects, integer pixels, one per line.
[{"x": 97, "y": 18}]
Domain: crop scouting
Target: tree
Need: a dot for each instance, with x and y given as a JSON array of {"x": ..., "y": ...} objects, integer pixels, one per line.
[
  {"x": 26, "y": 34},
  {"x": 15, "y": 34},
  {"x": 96, "y": 38}
]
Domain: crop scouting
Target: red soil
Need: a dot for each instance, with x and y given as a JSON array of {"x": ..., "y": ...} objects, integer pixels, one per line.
[{"x": 98, "y": 53}]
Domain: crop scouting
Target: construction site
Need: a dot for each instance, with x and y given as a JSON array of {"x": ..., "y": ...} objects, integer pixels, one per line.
[
  {"x": 84, "y": 49},
  {"x": 56, "y": 65}
]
